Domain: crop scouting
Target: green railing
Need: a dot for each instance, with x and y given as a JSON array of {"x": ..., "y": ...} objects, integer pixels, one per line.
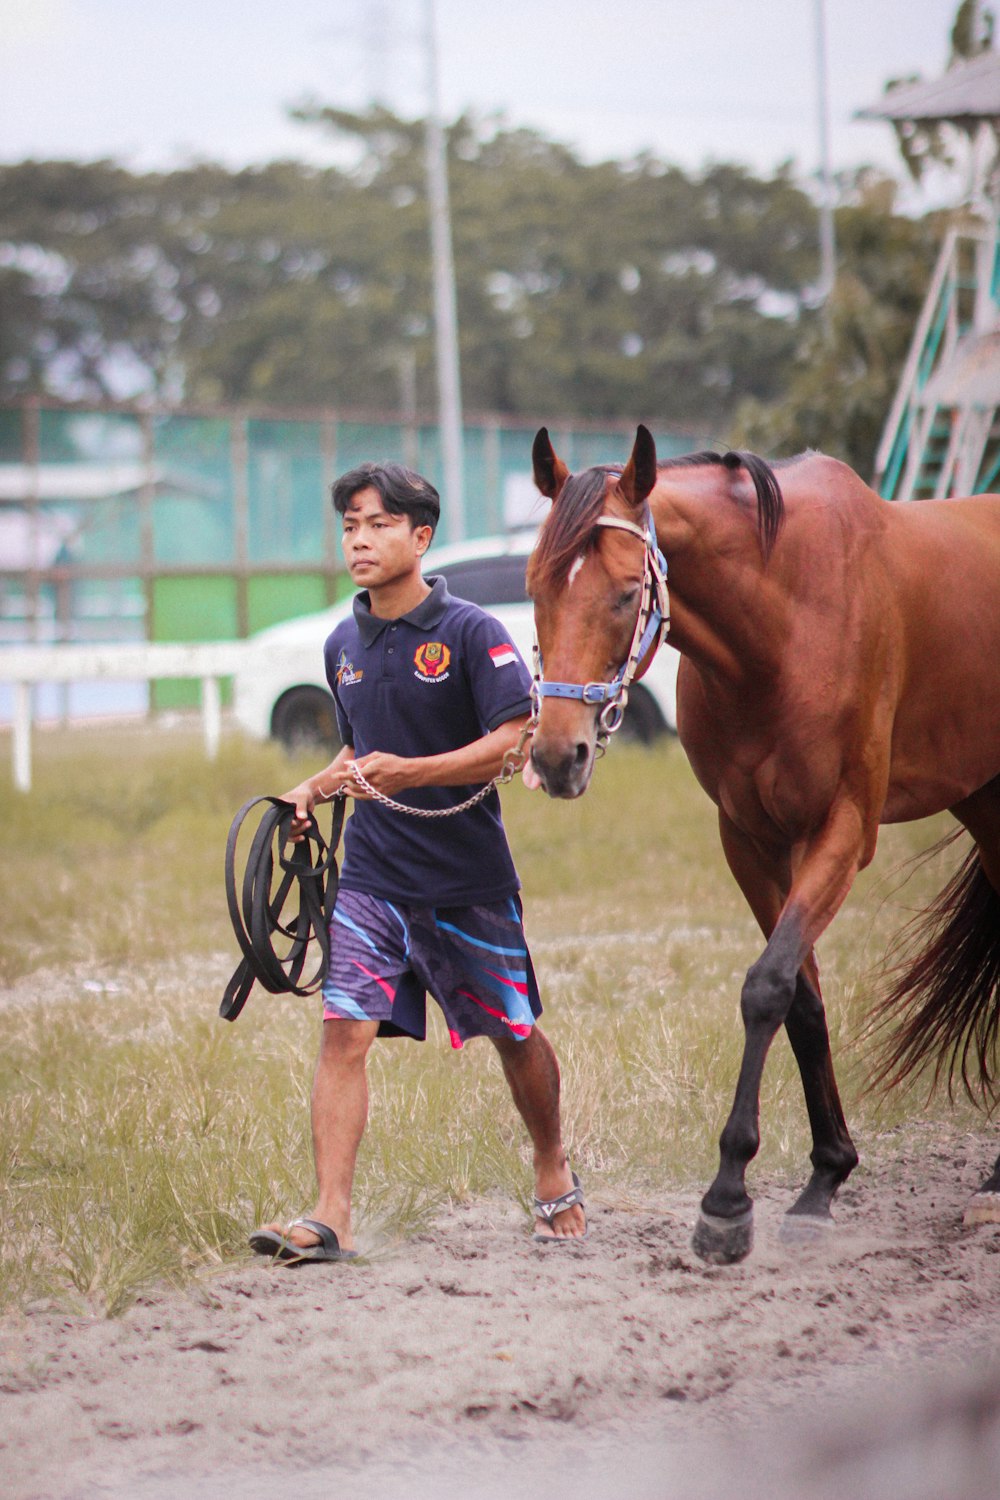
[
  {"x": 936, "y": 317},
  {"x": 948, "y": 314}
]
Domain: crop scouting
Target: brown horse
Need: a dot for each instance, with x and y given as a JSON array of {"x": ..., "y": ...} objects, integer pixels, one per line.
[{"x": 840, "y": 668}]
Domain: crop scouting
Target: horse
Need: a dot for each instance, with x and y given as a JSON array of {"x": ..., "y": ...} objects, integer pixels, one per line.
[{"x": 840, "y": 669}]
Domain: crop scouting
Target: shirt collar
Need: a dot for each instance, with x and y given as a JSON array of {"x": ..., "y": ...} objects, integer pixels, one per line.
[{"x": 427, "y": 614}]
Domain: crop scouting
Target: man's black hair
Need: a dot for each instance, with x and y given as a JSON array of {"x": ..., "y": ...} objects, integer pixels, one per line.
[{"x": 403, "y": 492}]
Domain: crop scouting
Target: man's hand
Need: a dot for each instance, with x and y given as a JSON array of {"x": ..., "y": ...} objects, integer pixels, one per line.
[
  {"x": 478, "y": 761},
  {"x": 304, "y": 797},
  {"x": 318, "y": 789},
  {"x": 387, "y": 773}
]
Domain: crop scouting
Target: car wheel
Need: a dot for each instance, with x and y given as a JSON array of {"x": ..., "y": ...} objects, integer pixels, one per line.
[
  {"x": 643, "y": 723},
  {"x": 304, "y": 718}
]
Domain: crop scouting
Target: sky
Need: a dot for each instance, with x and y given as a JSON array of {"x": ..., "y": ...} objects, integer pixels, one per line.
[{"x": 691, "y": 80}]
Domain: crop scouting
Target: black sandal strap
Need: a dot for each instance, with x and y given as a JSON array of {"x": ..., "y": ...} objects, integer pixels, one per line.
[{"x": 547, "y": 1208}]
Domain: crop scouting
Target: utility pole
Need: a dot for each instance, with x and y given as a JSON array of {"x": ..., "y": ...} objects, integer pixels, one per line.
[
  {"x": 827, "y": 240},
  {"x": 445, "y": 308}
]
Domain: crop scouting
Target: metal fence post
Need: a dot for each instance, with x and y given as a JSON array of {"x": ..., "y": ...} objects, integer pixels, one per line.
[
  {"x": 211, "y": 714},
  {"x": 22, "y": 736}
]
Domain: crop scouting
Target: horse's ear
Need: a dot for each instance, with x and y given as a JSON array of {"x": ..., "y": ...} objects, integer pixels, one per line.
[
  {"x": 550, "y": 472},
  {"x": 639, "y": 475}
]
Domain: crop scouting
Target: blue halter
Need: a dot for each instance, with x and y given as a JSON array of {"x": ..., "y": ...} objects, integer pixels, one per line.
[{"x": 651, "y": 626}]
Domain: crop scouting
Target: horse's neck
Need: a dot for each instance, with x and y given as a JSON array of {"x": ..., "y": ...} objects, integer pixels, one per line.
[{"x": 724, "y": 612}]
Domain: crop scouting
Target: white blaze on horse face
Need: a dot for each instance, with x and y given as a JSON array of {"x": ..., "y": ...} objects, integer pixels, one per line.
[{"x": 574, "y": 570}]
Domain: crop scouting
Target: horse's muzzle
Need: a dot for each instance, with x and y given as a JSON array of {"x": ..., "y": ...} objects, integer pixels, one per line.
[{"x": 564, "y": 767}]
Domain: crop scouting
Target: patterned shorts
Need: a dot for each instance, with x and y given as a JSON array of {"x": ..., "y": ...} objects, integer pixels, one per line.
[{"x": 474, "y": 960}]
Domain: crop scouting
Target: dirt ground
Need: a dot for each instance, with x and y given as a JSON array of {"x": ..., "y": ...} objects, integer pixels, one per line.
[{"x": 470, "y": 1361}]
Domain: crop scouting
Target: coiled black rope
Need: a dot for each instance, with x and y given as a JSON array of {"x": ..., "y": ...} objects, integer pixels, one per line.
[{"x": 311, "y": 864}]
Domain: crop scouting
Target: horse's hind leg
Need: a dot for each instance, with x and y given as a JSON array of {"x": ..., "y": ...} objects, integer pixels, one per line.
[
  {"x": 984, "y": 1205},
  {"x": 980, "y": 814}
]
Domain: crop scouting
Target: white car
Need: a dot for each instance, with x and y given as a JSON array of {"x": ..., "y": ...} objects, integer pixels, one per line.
[{"x": 281, "y": 690}]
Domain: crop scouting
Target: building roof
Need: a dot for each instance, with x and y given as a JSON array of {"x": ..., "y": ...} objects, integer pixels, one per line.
[{"x": 966, "y": 95}]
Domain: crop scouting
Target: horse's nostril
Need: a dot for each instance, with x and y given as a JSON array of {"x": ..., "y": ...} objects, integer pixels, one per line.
[{"x": 581, "y": 755}]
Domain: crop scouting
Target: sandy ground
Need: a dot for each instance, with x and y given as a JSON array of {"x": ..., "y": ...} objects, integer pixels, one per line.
[{"x": 469, "y": 1361}]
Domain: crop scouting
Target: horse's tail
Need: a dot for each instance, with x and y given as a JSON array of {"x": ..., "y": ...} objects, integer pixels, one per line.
[
  {"x": 770, "y": 504},
  {"x": 944, "y": 1005}
]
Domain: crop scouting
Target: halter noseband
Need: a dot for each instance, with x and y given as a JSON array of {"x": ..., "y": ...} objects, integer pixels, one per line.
[{"x": 651, "y": 626}]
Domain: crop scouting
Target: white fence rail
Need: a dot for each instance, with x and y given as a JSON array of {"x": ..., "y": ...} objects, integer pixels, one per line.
[{"x": 24, "y": 666}]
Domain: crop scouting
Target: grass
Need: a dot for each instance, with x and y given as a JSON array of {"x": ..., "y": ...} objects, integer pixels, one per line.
[{"x": 140, "y": 1137}]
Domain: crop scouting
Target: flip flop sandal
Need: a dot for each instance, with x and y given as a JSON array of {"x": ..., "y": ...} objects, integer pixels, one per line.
[
  {"x": 547, "y": 1208},
  {"x": 280, "y": 1247}
]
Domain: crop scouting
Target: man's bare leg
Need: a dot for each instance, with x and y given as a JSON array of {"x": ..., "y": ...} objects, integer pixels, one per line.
[
  {"x": 532, "y": 1074},
  {"x": 339, "y": 1117}
]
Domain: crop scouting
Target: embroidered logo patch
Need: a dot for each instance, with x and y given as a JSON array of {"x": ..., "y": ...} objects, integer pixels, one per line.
[
  {"x": 431, "y": 660},
  {"x": 502, "y": 656},
  {"x": 346, "y": 675}
]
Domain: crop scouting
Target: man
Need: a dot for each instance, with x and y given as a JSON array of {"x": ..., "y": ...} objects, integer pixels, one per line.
[{"x": 430, "y": 697}]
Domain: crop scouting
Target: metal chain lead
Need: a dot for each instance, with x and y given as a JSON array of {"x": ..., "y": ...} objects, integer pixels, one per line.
[{"x": 513, "y": 762}]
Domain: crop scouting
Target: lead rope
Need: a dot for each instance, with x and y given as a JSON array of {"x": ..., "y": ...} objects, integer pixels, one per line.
[{"x": 256, "y": 904}]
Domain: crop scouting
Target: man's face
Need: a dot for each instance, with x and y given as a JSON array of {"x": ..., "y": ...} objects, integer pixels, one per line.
[{"x": 380, "y": 548}]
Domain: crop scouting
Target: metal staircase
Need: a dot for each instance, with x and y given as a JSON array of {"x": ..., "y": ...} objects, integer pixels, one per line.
[{"x": 942, "y": 436}]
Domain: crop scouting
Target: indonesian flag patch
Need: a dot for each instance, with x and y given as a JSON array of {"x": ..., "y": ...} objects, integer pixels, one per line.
[{"x": 502, "y": 656}]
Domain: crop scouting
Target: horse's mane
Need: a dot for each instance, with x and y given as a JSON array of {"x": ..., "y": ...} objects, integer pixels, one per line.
[{"x": 571, "y": 526}]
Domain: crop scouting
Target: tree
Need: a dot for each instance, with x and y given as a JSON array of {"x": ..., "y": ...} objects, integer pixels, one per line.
[
  {"x": 843, "y": 376},
  {"x": 591, "y": 290},
  {"x": 627, "y": 289}
]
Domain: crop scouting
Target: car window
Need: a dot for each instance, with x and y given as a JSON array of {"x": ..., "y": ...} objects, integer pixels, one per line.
[{"x": 487, "y": 580}]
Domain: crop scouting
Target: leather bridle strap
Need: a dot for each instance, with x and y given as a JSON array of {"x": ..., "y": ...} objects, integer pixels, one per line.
[{"x": 256, "y": 911}]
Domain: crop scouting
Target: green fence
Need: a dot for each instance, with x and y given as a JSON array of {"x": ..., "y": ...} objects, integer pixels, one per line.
[{"x": 119, "y": 523}]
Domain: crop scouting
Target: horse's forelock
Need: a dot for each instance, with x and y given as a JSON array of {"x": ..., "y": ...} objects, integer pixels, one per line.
[{"x": 569, "y": 528}]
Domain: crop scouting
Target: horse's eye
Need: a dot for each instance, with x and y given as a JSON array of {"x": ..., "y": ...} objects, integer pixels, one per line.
[{"x": 629, "y": 597}]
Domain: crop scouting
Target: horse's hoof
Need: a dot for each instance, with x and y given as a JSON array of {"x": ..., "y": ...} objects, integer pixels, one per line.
[
  {"x": 982, "y": 1208},
  {"x": 723, "y": 1241},
  {"x": 804, "y": 1229}
]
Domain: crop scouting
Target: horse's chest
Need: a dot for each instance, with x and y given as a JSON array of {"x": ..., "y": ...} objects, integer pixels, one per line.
[
  {"x": 773, "y": 796},
  {"x": 768, "y": 758}
]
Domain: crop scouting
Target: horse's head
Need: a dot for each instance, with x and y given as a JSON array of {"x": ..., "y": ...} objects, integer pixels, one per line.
[{"x": 586, "y": 576}]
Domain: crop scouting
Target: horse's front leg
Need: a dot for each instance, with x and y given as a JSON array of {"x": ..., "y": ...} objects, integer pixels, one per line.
[
  {"x": 764, "y": 879},
  {"x": 773, "y": 994}
]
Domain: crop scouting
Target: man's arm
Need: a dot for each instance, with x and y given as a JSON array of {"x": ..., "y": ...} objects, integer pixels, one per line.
[{"x": 480, "y": 760}]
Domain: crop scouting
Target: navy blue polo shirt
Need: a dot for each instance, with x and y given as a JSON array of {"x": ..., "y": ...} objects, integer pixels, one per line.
[{"x": 432, "y": 681}]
